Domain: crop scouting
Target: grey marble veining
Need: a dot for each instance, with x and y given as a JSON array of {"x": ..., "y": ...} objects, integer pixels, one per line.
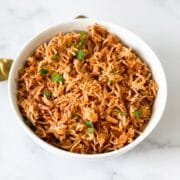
[{"x": 158, "y": 157}]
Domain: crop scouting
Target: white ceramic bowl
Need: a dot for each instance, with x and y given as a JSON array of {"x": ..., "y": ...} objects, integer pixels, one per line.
[{"x": 130, "y": 39}]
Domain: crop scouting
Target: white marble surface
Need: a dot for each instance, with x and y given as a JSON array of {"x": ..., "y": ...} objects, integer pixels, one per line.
[{"x": 158, "y": 157}]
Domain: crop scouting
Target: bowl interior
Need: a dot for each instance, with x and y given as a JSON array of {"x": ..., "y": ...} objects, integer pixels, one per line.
[{"x": 129, "y": 39}]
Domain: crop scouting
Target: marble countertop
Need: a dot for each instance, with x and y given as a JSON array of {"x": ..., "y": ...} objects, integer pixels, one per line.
[{"x": 158, "y": 157}]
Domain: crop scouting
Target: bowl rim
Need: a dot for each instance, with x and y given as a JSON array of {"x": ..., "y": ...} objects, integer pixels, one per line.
[{"x": 62, "y": 152}]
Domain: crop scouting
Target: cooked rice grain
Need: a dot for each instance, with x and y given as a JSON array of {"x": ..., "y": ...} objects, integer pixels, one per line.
[{"x": 102, "y": 101}]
